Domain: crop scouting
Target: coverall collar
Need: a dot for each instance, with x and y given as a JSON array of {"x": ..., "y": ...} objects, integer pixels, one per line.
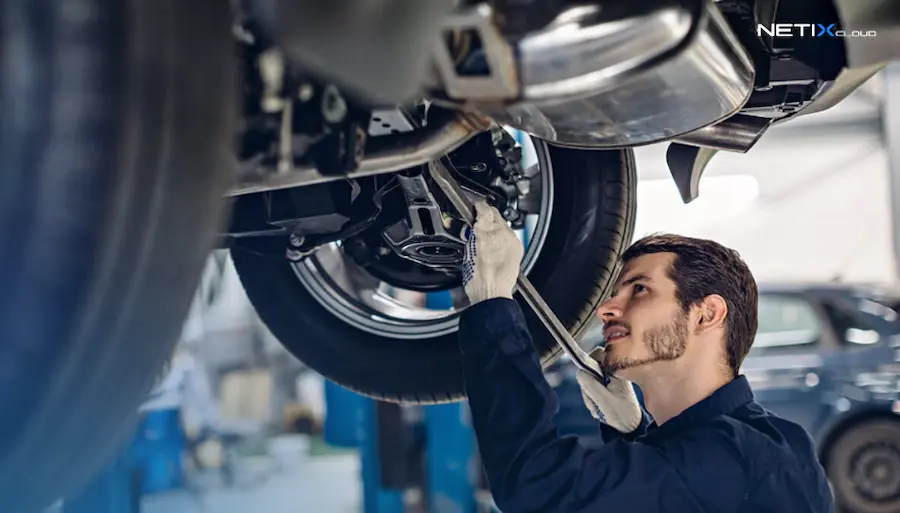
[{"x": 726, "y": 399}]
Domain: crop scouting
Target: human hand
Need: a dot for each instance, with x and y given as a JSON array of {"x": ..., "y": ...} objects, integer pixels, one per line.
[
  {"x": 493, "y": 256},
  {"x": 614, "y": 404}
]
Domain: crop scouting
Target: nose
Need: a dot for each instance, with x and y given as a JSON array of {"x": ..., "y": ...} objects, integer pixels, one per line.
[{"x": 609, "y": 310}]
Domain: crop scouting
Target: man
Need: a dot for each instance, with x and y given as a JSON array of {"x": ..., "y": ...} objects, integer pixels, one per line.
[{"x": 680, "y": 320}]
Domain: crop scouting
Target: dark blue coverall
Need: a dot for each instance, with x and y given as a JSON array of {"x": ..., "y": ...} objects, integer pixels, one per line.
[{"x": 724, "y": 454}]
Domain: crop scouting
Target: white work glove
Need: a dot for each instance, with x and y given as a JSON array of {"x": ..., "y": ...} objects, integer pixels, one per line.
[
  {"x": 493, "y": 256},
  {"x": 614, "y": 404}
]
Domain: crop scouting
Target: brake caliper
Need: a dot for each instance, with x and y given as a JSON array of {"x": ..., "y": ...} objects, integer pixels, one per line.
[{"x": 491, "y": 164}]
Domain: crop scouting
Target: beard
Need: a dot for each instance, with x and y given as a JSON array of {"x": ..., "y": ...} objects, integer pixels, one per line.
[{"x": 666, "y": 342}]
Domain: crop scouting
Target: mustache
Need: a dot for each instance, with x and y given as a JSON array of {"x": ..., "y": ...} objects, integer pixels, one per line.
[{"x": 613, "y": 324}]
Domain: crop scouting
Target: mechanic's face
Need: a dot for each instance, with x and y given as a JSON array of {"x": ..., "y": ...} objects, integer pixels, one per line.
[{"x": 643, "y": 321}]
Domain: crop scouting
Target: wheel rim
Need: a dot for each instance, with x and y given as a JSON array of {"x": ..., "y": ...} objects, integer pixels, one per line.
[
  {"x": 875, "y": 472},
  {"x": 350, "y": 293}
]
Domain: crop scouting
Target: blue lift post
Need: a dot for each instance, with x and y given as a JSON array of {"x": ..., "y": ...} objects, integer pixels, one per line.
[
  {"x": 382, "y": 493},
  {"x": 355, "y": 421},
  {"x": 452, "y": 466}
]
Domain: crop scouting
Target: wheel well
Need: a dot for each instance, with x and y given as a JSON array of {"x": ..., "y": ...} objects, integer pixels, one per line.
[{"x": 848, "y": 423}]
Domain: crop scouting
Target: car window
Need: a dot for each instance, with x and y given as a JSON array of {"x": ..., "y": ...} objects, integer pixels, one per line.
[
  {"x": 855, "y": 322},
  {"x": 881, "y": 312},
  {"x": 786, "y": 321},
  {"x": 877, "y": 308}
]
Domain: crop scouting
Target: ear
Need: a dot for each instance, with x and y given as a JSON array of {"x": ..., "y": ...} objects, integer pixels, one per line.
[{"x": 713, "y": 311}]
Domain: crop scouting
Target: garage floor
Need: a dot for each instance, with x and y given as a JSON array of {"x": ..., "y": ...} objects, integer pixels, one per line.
[{"x": 324, "y": 484}]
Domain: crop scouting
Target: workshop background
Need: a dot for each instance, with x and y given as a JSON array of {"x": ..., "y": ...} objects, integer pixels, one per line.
[{"x": 239, "y": 425}]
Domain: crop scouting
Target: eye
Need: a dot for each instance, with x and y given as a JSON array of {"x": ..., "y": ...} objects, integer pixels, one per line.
[{"x": 638, "y": 288}]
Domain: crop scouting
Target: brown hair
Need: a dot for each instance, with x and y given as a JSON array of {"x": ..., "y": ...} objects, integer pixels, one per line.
[{"x": 701, "y": 268}]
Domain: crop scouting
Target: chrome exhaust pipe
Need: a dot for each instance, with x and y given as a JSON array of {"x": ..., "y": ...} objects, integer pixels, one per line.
[{"x": 416, "y": 148}]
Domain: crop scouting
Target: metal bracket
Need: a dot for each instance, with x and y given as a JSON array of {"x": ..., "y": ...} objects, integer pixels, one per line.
[
  {"x": 687, "y": 163},
  {"x": 422, "y": 237},
  {"x": 738, "y": 133},
  {"x": 502, "y": 80}
]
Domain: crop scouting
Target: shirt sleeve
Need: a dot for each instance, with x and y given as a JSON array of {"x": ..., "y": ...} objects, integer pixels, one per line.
[
  {"x": 529, "y": 466},
  {"x": 610, "y": 434}
]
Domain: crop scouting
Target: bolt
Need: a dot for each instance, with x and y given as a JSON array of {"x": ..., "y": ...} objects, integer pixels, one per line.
[
  {"x": 305, "y": 92},
  {"x": 360, "y": 145},
  {"x": 523, "y": 185},
  {"x": 294, "y": 255},
  {"x": 271, "y": 68},
  {"x": 295, "y": 252},
  {"x": 334, "y": 108}
]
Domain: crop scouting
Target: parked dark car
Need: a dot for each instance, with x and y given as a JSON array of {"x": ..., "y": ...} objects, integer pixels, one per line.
[{"x": 828, "y": 358}]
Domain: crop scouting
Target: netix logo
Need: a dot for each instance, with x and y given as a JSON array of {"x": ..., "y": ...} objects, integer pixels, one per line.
[{"x": 809, "y": 30}]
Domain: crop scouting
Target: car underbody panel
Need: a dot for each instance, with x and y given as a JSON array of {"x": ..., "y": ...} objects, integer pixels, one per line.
[
  {"x": 699, "y": 74},
  {"x": 624, "y": 75}
]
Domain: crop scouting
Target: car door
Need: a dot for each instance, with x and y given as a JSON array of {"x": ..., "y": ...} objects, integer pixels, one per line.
[
  {"x": 867, "y": 331},
  {"x": 788, "y": 364},
  {"x": 867, "y": 374}
]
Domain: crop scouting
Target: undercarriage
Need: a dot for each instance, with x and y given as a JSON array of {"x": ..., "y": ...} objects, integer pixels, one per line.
[
  {"x": 394, "y": 225},
  {"x": 703, "y": 76}
]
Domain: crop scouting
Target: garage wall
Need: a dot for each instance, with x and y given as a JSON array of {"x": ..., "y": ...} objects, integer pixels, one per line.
[{"x": 810, "y": 202}]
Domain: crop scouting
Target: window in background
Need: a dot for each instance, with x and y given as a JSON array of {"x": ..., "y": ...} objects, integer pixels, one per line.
[
  {"x": 786, "y": 321},
  {"x": 851, "y": 326}
]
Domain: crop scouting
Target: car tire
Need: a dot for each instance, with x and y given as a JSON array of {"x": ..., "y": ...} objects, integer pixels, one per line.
[
  {"x": 591, "y": 224},
  {"x": 845, "y": 452},
  {"x": 115, "y": 153}
]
